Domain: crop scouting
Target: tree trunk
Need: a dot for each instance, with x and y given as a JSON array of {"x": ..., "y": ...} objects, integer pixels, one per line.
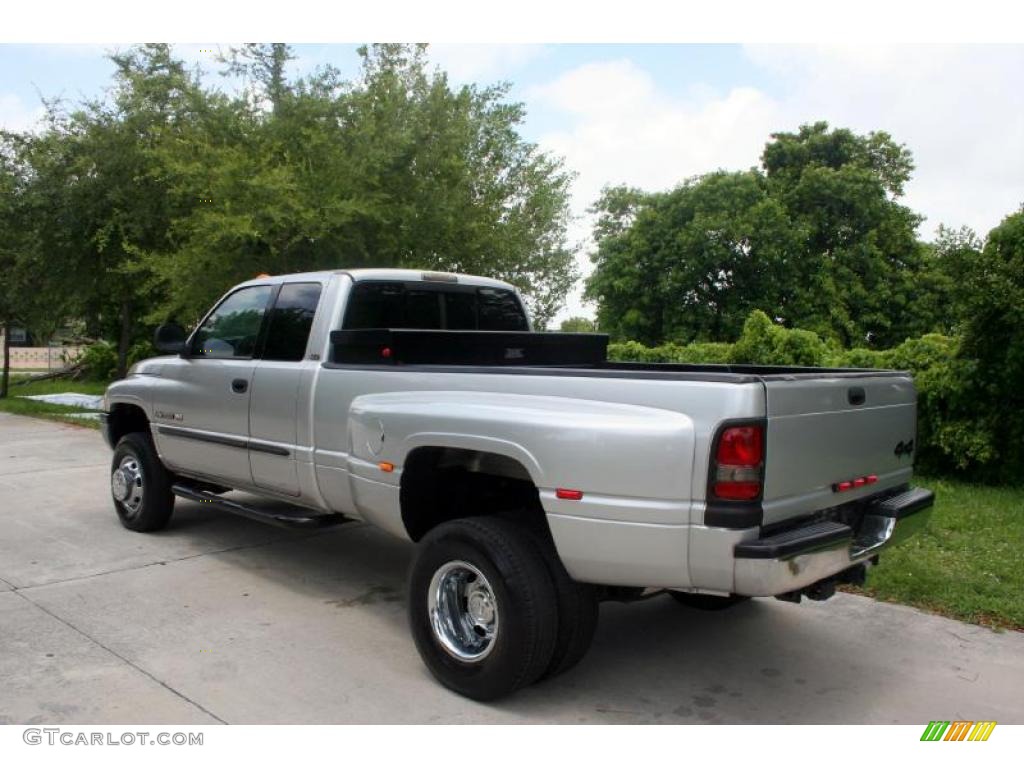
[
  {"x": 125, "y": 339},
  {"x": 7, "y": 360}
]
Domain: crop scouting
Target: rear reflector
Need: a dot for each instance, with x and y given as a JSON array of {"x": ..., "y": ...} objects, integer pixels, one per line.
[
  {"x": 568, "y": 494},
  {"x": 857, "y": 482},
  {"x": 737, "y": 491}
]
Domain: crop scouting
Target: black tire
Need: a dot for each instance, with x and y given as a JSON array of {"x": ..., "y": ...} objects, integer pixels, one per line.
[
  {"x": 708, "y": 602},
  {"x": 527, "y": 615},
  {"x": 578, "y": 609},
  {"x": 153, "y": 510}
]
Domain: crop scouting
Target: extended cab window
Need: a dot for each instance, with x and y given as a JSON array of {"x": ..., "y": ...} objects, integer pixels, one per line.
[
  {"x": 232, "y": 328},
  {"x": 427, "y": 306},
  {"x": 499, "y": 310},
  {"x": 290, "y": 321}
]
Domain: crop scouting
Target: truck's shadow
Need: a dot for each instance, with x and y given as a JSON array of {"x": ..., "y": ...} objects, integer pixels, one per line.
[{"x": 653, "y": 661}]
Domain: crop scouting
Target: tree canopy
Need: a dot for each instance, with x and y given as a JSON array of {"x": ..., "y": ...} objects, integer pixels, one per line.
[
  {"x": 153, "y": 200},
  {"x": 816, "y": 238}
]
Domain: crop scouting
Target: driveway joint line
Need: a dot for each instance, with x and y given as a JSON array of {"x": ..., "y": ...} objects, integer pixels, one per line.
[
  {"x": 128, "y": 568},
  {"x": 117, "y": 655},
  {"x": 51, "y": 469}
]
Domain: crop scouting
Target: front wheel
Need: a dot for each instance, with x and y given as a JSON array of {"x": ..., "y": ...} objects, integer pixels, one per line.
[
  {"x": 482, "y": 607},
  {"x": 140, "y": 485}
]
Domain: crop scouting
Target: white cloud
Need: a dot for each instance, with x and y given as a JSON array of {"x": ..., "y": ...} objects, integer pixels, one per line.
[
  {"x": 482, "y": 63},
  {"x": 16, "y": 115},
  {"x": 959, "y": 109},
  {"x": 624, "y": 131}
]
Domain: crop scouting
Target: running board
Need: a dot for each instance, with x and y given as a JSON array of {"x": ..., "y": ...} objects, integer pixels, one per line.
[{"x": 283, "y": 516}]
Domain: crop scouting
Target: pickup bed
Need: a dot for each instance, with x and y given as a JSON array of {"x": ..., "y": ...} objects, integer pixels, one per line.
[{"x": 536, "y": 477}]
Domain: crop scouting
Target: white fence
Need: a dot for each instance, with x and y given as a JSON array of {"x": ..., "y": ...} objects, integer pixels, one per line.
[{"x": 48, "y": 358}]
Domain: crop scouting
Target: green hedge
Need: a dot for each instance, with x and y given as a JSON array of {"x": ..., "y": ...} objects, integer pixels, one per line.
[
  {"x": 953, "y": 434},
  {"x": 100, "y": 359}
]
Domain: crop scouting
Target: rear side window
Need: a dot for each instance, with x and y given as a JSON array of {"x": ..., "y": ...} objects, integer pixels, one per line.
[
  {"x": 415, "y": 305},
  {"x": 232, "y": 328},
  {"x": 376, "y": 305},
  {"x": 290, "y": 321},
  {"x": 422, "y": 309},
  {"x": 460, "y": 311},
  {"x": 499, "y": 310}
]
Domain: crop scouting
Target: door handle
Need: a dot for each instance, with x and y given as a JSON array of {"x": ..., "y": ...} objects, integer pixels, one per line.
[{"x": 239, "y": 386}]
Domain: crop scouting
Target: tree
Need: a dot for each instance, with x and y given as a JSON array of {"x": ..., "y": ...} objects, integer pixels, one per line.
[
  {"x": 691, "y": 264},
  {"x": 815, "y": 238},
  {"x": 991, "y": 305},
  {"x": 98, "y": 194},
  {"x": 152, "y": 200},
  {"x": 394, "y": 170},
  {"x": 578, "y": 325},
  {"x": 862, "y": 253},
  {"x": 24, "y": 298},
  {"x": 953, "y": 254},
  {"x": 10, "y": 245}
]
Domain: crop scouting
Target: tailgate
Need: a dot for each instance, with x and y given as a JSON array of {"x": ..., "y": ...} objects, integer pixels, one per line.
[{"x": 834, "y": 428}]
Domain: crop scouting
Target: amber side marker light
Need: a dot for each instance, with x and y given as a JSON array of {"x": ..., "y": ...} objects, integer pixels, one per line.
[{"x": 386, "y": 466}]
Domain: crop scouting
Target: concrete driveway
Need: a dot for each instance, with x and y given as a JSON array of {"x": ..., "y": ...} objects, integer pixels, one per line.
[{"x": 219, "y": 619}]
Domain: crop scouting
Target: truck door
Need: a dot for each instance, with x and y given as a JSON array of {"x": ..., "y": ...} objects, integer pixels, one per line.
[
  {"x": 201, "y": 409},
  {"x": 280, "y": 391}
]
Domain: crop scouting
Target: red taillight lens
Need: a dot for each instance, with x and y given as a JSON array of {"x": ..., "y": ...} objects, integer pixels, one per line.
[
  {"x": 738, "y": 463},
  {"x": 741, "y": 446}
]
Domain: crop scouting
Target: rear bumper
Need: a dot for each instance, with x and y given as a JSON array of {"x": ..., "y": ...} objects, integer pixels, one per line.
[{"x": 799, "y": 557}]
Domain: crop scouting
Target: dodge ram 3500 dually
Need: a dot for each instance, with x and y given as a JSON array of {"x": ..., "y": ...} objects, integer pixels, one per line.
[{"x": 536, "y": 476}]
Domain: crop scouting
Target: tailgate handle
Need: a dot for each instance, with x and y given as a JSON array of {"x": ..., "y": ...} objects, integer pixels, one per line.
[{"x": 856, "y": 395}]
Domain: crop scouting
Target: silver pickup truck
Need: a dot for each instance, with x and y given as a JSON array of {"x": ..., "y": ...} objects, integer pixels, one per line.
[{"x": 536, "y": 477}]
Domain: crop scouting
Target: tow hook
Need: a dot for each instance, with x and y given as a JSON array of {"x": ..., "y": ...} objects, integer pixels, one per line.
[{"x": 826, "y": 588}]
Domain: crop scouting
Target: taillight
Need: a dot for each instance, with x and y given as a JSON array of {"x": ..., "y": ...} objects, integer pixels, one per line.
[{"x": 738, "y": 468}]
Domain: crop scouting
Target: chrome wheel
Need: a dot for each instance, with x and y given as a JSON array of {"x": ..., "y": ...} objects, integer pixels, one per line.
[
  {"x": 463, "y": 611},
  {"x": 126, "y": 484}
]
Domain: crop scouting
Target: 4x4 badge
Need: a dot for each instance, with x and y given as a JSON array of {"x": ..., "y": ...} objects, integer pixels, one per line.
[{"x": 904, "y": 448}]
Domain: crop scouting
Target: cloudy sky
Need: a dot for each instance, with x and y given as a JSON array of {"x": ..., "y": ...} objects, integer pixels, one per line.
[{"x": 652, "y": 115}]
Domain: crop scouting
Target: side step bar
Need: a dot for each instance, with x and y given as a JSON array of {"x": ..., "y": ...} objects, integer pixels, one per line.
[{"x": 283, "y": 516}]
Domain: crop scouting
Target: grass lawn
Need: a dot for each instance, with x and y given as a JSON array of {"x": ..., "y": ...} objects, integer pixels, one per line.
[
  {"x": 18, "y": 405},
  {"x": 968, "y": 563}
]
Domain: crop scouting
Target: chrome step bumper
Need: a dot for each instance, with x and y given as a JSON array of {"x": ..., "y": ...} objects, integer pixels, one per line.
[{"x": 797, "y": 558}]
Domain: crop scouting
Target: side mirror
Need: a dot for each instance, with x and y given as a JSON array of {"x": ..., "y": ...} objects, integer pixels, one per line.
[{"x": 170, "y": 339}]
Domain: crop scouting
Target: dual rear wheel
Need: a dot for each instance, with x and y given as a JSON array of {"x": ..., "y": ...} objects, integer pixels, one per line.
[{"x": 492, "y": 608}]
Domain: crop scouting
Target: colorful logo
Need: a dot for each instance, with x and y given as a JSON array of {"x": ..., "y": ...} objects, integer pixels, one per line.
[{"x": 958, "y": 730}]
